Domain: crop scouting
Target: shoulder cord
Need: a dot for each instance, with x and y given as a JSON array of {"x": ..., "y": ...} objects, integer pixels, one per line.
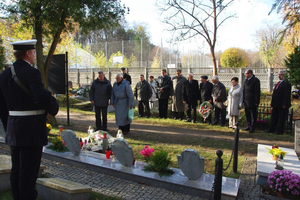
[{"x": 20, "y": 84}]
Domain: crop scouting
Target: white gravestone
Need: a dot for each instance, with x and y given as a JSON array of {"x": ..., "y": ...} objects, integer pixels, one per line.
[
  {"x": 191, "y": 164},
  {"x": 123, "y": 152},
  {"x": 71, "y": 141},
  {"x": 297, "y": 136}
]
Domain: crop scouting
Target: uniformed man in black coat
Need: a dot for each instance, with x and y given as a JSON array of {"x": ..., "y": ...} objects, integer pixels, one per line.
[
  {"x": 251, "y": 99},
  {"x": 163, "y": 86},
  {"x": 190, "y": 97},
  {"x": 26, "y": 118},
  {"x": 205, "y": 93},
  {"x": 126, "y": 76},
  {"x": 281, "y": 101}
]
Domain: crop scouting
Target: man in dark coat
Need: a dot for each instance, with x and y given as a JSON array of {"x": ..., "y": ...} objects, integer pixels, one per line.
[
  {"x": 281, "y": 101},
  {"x": 126, "y": 76},
  {"x": 99, "y": 96},
  {"x": 205, "y": 93},
  {"x": 251, "y": 99},
  {"x": 219, "y": 97},
  {"x": 163, "y": 87},
  {"x": 143, "y": 92},
  {"x": 190, "y": 97},
  {"x": 27, "y": 107}
]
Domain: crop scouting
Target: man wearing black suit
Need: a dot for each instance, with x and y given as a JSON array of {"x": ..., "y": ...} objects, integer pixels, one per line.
[
  {"x": 163, "y": 86},
  {"x": 251, "y": 99},
  {"x": 205, "y": 93},
  {"x": 190, "y": 97},
  {"x": 281, "y": 101},
  {"x": 25, "y": 111}
]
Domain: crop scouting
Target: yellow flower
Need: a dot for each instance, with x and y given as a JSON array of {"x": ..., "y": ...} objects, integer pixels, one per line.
[
  {"x": 48, "y": 126},
  {"x": 277, "y": 152}
]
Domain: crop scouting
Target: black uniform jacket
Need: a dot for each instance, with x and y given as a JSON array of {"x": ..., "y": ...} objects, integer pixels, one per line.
[
  {"x": 205, "y": 91},
  {"x": 190, "y": 92},
  {"x": 251, "y": 92},
  {"x": 25, "y": 131},
  {"x": 282, "y": 95},
  {"x": 127, "y": 77}
]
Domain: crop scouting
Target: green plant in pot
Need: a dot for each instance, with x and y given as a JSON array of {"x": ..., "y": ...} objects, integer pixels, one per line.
[{"x": 160, "y": 162}]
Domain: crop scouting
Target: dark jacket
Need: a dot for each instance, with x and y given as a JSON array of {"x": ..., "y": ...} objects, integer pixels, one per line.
[
  {"x": 142, "y": 91},
  {"x": 251, "y": 92},
  {"x": 164, "y": 83},
  {"x": 127, "y": 77},
  {"x": 191, "y": 92},
  {"x": 205, "y": 91},
  {"x": 282, "y": 95},
  {"x": 219, "y": 94},
  {"x": 100, "y": 92},
  {"x": 25, "y": 131}
]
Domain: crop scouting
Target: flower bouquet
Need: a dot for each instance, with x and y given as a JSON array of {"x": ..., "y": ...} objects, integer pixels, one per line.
[
  {"x": 285, "y": 183},
  {"x": 147, "y": 153},
  {"x": 276, "y": 152}
]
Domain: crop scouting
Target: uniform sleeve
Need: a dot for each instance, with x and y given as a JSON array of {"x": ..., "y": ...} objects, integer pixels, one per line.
[
  {"x": 41, "y": 96},
  {"x": 3, "y": 110}
]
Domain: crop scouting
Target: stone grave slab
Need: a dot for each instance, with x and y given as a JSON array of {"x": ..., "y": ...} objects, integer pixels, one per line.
[
  {"x": 5, "y": 168},
  {"x": 123, "y": 152},
  {"x": 57, "y": 188},
  {"x": 71, "y": 141},
  {"x": 191, "y": 164},
  {"x": 265, "y": 164}
]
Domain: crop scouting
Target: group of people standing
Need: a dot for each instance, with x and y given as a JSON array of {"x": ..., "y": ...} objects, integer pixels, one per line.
[{"x": 186, "y": 95}]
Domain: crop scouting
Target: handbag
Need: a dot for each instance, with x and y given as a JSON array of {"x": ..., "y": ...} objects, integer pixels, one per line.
[{"x": 130, "y": 114}]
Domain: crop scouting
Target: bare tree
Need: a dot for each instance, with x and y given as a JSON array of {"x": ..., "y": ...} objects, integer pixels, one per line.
[
  {"x": 190, "y": 18},
  {"x": 271, "y": 49}
]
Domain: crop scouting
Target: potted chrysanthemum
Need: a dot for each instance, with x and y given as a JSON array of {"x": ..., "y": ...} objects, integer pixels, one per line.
[{"x": 285, "y": 183}]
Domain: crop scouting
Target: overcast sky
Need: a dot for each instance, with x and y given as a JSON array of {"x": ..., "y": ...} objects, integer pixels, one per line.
[{"x": 252, "y": 15}]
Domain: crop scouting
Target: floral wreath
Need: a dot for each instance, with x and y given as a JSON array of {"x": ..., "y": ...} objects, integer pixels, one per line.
[{"x": 205, "y": 109}]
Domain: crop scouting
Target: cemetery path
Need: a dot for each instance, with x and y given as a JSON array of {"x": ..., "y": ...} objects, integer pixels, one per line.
[{"x": 173, "y": 134}]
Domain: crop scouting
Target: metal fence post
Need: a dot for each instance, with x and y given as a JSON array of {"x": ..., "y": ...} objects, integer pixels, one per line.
[
  {"x": 218, "y": 175},
  {"x": 236, "y": 148}
]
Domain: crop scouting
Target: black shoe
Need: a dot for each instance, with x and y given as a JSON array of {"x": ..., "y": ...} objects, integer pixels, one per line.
[
  {"x": 268, "y": 131},
  {"x": 222, "y": 125},
  {"x": 251, "y": 131},
  {"x": 175, "y": 118},
  {"x": 246, "y": 129},
  {"x": 215, "y": 123},
  {"x": 188, "y": 120},
  {"x": 194, "y": 121}
]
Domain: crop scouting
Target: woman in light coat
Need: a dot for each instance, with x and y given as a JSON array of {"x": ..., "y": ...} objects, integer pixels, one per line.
[
  {"x": 122, "y": 99},
  {"x": 235, "y": 102},
  {"x": 152, "y": 102}
]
